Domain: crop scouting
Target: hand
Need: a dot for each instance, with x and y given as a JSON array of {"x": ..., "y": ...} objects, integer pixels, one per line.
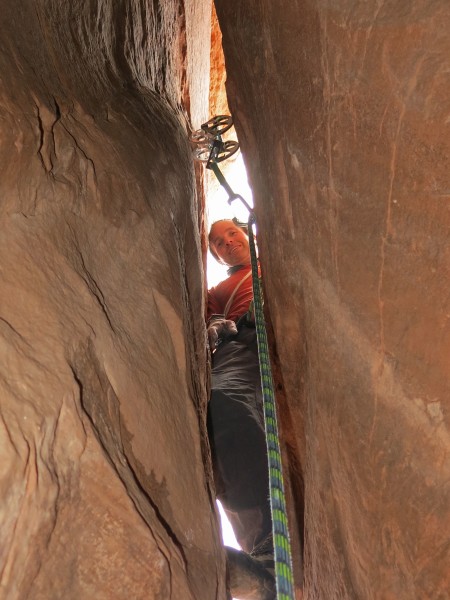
[{"x": 220, "y": 329}]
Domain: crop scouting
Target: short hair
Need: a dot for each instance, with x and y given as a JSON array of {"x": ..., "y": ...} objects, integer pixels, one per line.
[{"x": 236, "y": 222}]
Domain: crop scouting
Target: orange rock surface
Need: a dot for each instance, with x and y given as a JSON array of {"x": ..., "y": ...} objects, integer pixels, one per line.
[{"x": 342, "y": 113}]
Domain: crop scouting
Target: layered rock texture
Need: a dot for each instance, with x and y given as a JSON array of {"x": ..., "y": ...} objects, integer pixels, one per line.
[
  {"x": 104, "y": 492},
  {"x": 342, "y": 109}
]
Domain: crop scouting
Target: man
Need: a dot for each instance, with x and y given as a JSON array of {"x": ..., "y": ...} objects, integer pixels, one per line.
[{"x": 235, "y": 412}]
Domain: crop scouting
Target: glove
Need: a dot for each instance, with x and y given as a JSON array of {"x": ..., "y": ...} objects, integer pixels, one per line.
[{"x": 219, "y": 329}]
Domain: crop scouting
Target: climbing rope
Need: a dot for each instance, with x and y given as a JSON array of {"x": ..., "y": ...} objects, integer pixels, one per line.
[{"x": 282, "y": 547}]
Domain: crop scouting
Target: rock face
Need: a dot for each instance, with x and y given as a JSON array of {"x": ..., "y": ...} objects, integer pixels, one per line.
[
  {"x": 103, "y": 365},
  {"x": 342, "y": 111}
]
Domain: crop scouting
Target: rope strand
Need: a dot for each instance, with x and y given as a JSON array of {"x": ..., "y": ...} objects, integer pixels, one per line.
[{"x": 282, "y": 547}]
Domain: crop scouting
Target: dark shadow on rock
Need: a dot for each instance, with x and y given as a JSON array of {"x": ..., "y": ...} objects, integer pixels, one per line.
[{"x": 247, "y": 579}]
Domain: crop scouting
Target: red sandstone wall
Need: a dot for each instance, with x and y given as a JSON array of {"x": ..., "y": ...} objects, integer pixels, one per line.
[
  {"x": 102, "y": 372},
  {"x": 342, "y": 111}
]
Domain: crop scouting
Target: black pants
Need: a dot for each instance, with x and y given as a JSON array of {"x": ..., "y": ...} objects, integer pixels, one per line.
[{"x": 237, "y": 438}]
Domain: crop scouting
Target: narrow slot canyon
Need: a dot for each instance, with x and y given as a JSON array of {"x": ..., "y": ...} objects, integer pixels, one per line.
[{"x": 342, "y": 114}]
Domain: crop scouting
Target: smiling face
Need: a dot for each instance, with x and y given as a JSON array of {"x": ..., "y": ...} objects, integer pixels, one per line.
[{"x": 229, "y": 243}]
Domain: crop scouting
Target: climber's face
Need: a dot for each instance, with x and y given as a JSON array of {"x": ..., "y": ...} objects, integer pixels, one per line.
[{"x": 229, "y": 244}]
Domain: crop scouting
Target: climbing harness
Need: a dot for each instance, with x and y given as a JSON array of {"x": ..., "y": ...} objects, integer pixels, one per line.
[{"x": 211, "y": 149}]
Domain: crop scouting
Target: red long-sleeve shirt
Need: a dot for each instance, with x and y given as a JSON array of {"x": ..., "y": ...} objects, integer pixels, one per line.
[{"x": 218, "y": 296}]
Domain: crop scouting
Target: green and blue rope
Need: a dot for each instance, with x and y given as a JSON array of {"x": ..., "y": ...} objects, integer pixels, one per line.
[{"x": 282, "y": 546}]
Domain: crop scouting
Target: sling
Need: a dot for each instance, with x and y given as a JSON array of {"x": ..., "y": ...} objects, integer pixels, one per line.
[{"x": 230, "y": 300}]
